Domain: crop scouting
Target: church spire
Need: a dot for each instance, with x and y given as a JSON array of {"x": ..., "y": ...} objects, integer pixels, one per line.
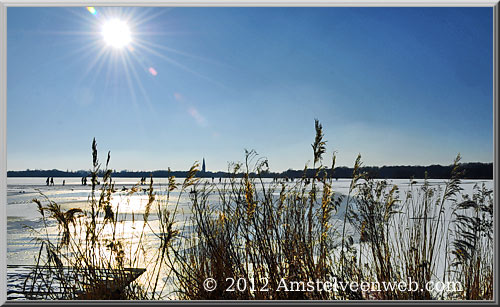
[{"x": 203, "y": 168}]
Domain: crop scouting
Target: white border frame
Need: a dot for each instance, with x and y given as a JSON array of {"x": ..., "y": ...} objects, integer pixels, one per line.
[
  {"x": 305, "y": 3},
  {"x": 236, "y": 3}
]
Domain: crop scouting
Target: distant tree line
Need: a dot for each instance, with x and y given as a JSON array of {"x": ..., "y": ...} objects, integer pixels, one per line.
[{"x": 474, "y": 170}]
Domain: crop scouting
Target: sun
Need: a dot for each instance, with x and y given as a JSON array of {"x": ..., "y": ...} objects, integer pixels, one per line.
[{"x": 116, "y": 33}]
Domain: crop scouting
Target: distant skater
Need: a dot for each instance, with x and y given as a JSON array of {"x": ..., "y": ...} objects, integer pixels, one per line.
[
  {"x": 64, "y": 182},
  {"x": 52, "y": 181},
  {"x": 47, "y": 181}
]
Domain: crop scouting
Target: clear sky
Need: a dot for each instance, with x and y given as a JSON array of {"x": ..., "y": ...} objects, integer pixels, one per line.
[{"x": 401, "y": 86}]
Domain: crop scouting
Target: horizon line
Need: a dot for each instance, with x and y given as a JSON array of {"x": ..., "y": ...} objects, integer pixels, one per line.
[{"x": 224, "y": 171}]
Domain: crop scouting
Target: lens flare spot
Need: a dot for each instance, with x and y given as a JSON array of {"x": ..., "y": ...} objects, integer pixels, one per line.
[
  {"x": 153, "y": 71},
  {"x": 179, "y": 97},
  {"x": 197, "y": 116},
  {"x": 92, "y": 10}
]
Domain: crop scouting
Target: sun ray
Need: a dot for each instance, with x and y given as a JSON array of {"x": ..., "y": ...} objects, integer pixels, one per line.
[
  {"x": 169, "y": 49},
  {"x": 141, "y": 86},
  {"x": 128, "y": 57},
  {"x": 129, "y": 81},
  {"x": 99, "y": 65},
  {"x": 128, "y": 64},
  {"x": 99, "y": 58},
  {"x": 143, "y": 17},
  {"x": 162, "y": 56},
  {"x": 110, "y": 68}
]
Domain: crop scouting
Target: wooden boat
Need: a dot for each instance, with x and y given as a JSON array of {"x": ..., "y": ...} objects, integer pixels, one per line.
[{"x": 69, "y": 283}]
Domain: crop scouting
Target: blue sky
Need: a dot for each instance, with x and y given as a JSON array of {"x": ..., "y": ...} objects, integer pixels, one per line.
[{"x": 401, "y": 86}]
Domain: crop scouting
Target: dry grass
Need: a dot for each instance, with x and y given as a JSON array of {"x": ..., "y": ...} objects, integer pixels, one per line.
[{"x": 247, "y": 229}]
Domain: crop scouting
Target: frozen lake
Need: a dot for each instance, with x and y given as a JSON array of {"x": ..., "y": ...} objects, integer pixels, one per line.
[{"x": 22, "y": 211}]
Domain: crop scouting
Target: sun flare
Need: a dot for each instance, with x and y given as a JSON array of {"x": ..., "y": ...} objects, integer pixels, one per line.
[{"x": 116, "y": 33}]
